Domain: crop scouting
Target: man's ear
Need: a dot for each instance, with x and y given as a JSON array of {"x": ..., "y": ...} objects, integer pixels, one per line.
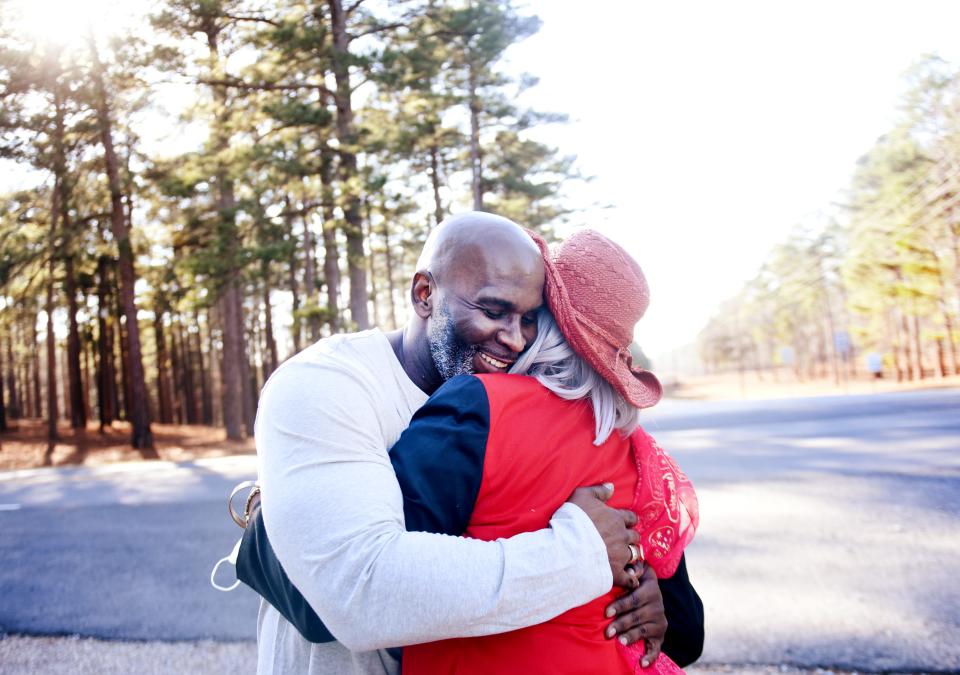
[{"x": 422, "y": 294}]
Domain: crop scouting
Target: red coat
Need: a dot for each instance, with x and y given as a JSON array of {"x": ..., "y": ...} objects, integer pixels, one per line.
[{"x": 539, "y": 449}]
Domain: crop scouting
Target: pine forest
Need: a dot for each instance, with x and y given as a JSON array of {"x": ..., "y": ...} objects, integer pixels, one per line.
[
  {"x": 872, "y": 283},
  {"x": 144, "y": 286},
  {"x": 332, "y": 136}
]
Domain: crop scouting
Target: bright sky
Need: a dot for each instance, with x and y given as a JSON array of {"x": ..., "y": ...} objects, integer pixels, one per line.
[
  {"x": 710, "y": 127},
  {"x": 713, "y": 127}
]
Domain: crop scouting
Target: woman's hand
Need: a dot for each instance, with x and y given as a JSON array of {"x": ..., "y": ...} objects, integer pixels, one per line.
[{"x": 639, "y": 615}]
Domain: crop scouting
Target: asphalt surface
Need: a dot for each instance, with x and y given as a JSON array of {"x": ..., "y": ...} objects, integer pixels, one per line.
[
  {"x": 830, "y": 528},
  {"x": 829, "y": 537},
  {"x": 122, "y": 551}
]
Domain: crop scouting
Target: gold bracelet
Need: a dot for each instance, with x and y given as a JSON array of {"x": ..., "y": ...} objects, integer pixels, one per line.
[
  {"x": 248, "y": 509},
  {"x": 240, "y": 520}
]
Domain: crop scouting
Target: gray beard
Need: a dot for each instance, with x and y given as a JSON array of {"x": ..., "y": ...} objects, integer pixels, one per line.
[{"x": 450, "y": 355}]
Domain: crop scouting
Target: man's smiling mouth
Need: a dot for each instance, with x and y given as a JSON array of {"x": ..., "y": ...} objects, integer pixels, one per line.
[{"x": 496, "y": 363}]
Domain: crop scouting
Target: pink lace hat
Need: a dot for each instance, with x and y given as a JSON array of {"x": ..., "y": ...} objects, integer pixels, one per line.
[{"x": 597, "y": 294}]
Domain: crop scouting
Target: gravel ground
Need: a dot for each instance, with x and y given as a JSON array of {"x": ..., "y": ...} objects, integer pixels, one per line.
[{"x": 24, "y": 655}]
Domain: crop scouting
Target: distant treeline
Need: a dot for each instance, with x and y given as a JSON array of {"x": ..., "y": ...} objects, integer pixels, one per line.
[
  {"x": 879, "y": 281},
  {"x": 337, "y": 134}
]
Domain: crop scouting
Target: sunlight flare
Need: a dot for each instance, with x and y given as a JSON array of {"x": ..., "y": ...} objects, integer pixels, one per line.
[{"x": 65, "y": 23}]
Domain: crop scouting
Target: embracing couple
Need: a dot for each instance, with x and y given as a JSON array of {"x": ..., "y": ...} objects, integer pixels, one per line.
[{"x": 418, "y": 495}]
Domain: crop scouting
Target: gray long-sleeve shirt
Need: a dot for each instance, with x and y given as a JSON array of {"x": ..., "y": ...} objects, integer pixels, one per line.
[{"x": 334, "y": 512}]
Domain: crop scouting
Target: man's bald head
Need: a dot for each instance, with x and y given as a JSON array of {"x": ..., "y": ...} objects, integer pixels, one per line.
[
  {"x": 476, "y": 294},
  {"x": 472, "y": 235}
]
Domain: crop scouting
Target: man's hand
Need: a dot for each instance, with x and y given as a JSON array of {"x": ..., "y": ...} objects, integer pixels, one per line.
[
  {"x": 640, "y": 616},
  {"x": 615, "y": 527}
]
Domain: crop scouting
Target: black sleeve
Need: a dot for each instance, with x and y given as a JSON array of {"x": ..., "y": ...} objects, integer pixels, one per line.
[
  {"x": 439, "y": 464},
  {"x": 439, "y": 458},
  {"x": 684, "y": 639},
  {"x": 258, "y": 568}
]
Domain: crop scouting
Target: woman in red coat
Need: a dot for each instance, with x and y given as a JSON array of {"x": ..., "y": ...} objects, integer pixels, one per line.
[{"x": 493, "y": 456}]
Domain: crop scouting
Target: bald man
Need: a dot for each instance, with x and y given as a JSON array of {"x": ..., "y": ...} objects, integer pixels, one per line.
[{"x": 331, "y": 501}]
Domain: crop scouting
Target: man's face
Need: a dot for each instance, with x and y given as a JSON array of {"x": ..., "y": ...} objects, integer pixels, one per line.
[{"x": 485, "y": 315}]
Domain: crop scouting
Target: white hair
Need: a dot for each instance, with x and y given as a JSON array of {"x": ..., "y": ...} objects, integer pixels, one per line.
[{"x": 564, "y": 372}]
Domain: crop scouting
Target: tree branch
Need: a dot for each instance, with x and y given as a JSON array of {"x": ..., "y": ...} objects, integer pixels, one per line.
[
  {"x": 252, "y": 19},
  {"x": 263, "y": 86},
  {"x": 353, "y": 8},
  {"x": 377, "y": 29}
]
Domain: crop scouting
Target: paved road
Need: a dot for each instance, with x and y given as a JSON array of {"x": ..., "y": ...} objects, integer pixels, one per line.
[
  {"x": 830, "y": 536},
  {"x": 830, "y": 532}
]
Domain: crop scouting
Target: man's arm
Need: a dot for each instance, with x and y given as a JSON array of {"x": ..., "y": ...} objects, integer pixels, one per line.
[{"x": 334, "y": 511}]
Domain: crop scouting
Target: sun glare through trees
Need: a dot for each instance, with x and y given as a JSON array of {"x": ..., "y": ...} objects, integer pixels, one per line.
[{"x": 66, "y": 24}]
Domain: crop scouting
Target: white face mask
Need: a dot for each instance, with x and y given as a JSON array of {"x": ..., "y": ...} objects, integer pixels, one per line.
[{"x": 232, "y": 560}]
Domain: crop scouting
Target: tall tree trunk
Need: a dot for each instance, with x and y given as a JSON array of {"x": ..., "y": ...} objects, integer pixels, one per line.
[
  {"x": 233, "y": 367},
  {"x": 62, "y": 188},
  {"x": 353, "y": 227},
  {"x": 248, "y": 381},
  {"x": 191, "y": 376},
  {"x": 65, "y": 390},
  {"x": 954, "y": 230},
  {"x": 117, "y": 385},
  {"x": 435, "y": 181},
  {"x": 310, "y": 278},
  {"x": 78, "y": 419},
  {"x": 164, "y": 394},
  {"x": 176, "y": 367},
  {"x": 123, "y": 408},
  {"x": 905, "y": 345},
  {"x": 216, "y": 359},
  {"x": 388, "y": 268},
  {"x": 189, "y": 386},
  {"x": 331, "y": 254},
  {"x": 35, "y": 370},
  {"x": 270, "y": 348},
  {"x": 894, "y": 341},
  {"x": 23, "y": 367},
  {"x": 206, "y": 403},
  {"x": 831, "y": 331},
  {"x": 52, "y": 411},
  {"x": 255, "y": 348},
  {"x": 13, "y": 407},
  {"x": 85, "y": 347},
  {"x": 295, "y": 331},
  {"x": 944, "y": 304},
  {"x": 26, "y": 401},
  {"x": 138, "y": 410},
  {"x": 25, "y": 373},
  {"x": 370, "y": 270},
  {"x": 106, "y": 378},
  {"x": 951, "y": 344},
  {"x": 917, "y": 346},
  {"x": 476, "y": 157},
  {"x": 818, "y": 366},
  {"x": 3, "y": 410},
  {"x": 25, "y": 398},
  {"x": 231, "y": 373},
  {"x": 19, "y": 365}
]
